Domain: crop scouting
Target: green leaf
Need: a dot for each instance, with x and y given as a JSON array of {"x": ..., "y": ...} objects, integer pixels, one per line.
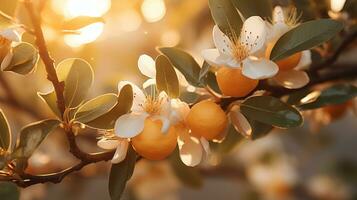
[
  {"x": 24, "y": 60},
  {"x": 50, "y": 99},
  {"x": 270, "y": 110},
  {"x": 305, "y": 36},
  {"x": 5, "y": 134},
  {"x": 211, "y": 81},
  {"x": 204, "y": 70},
  {"x": 123, "y": 106},
  {"x": 189, "y": 97},
  {"x": 80, "y": 22},
  {"x": 77, "y": 75},
  {"x": 9, "y": 191},
  {"x": 166, "y": 77},
  {"x": 259, "y": 129},
  {"x": 248, "y": 8},
  {"x": 231, "y": 140},
  {"x": 120, "y": 173},
  {"x": 95, "y": 108},
  {"x": 32, "y": 136},
  {"x": 185, "y": 63},
  {"x": 188, "y": 175},
  {"x": 333, "y": 95},
  {"x": 226, "y": 16}
]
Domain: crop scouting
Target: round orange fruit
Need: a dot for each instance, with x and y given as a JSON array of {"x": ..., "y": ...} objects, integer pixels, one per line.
[
  {"x": 207, "y": 120},
  {"x": 152, "y": 144},
  {"x": 233, "y": 83}
]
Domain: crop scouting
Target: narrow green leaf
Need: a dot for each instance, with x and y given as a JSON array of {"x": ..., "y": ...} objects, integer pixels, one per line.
[
  {"x": 305, "y": 36},
  {"x": 226, "y": 16},
  {"x": 50, "y": 99},
  {"x": 248, "y": 8},
  {"x": 9, "y": 191},
  {"x": 333, "y": 95},
  {"x": 211, "y": 81},
  {"x": 184, "y": 62},
  {"x": 95, "y": 108},
  {"x": 24, "y": 60},
  {"x": 120, "y": 173},
  {"x": 259, "y": 129},
  {"x": 188, "y": 175},
  {"x": 204, "y": 70},
  {"x": 80, "y": 22},
  {"x": 166, "y": 77},
  {"x": 123, "y": 106},
  {"x": 77, "y": 75},
  {"x": 270, "y": 110},
  {"x": 32, "y": 136},
  {"x": 5, "y": 134}
]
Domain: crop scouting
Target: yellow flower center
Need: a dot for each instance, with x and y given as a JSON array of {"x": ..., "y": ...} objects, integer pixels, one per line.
[
  {"x": 153, "y": 104},
  {"x": 240, "y": 50}
]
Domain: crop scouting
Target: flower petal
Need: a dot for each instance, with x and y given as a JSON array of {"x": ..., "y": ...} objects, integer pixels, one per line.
[
  {"x": 179, "y": 111},
  {"x": 121, "y": 152},
  {"x": 139, "y": 96},
  {"x": 222, "y": 42},
  {"x": 253, "y": 34},
  {"x": 214, "y": 58},
  {"x": 146, "y": 66},
  {"x": 108, "y": 144},
  {"x": 11, "y": 34},
  {"x": 129, "y": 125},
  {"x": 259, "y": 68},
  {"x": 278, "y": 15},
  {"x": 305, "y": 60},
  {"x": 240, "y": 122},
  {"x": 205, "y": 146},
  {"x": 149, "y": 83},
  {"x": 191, "y": 152},
  {"x": 292, "y": 79},
  {"x": 6, "y": 61}
]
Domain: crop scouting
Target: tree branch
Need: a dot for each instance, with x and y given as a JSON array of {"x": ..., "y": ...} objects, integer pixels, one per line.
[{"x": 46, "y": 58}]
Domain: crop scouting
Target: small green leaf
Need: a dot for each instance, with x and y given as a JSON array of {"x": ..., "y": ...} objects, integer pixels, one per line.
[
  {"x": 24, "y": 60},
  {"x": 188, "y": 175},
  {"x": 95, "y": 108},
  {"x": 5, "y": 134},
  {"x": 9, "y": 191},
  {"x": 185, "y": 63},
  {"x": 166, "y": 77},
  {"x": 123, "y": 106},
  {"x": 80, "y": 22},
  {"x": 226, "y": 16},
  {"x": 305, "y": 36},
  {"x": 333, "y": 95},
  {"x": 189, "y": 97},
  {"x": 248, "y": 8},
  {"x": 32, "y": 136},
  {"x": 77, "y": 75},
  {"x": 51, "y": 100},
  {"x": 211, "y": 81},
  {"x": 232, "y": 139},
  {"x": 120, "y": 173},
  {"x": 204, "y": 70},
  {"x": 270, "y": 110}
]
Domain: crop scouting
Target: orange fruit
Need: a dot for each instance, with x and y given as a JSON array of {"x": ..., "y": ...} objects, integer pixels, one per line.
[
  {"x": 152, "y": 144},
  {"x": 207, "y": 120},
  {"x": 287, "y": 63},
  {"x": 233, "y": 83}
]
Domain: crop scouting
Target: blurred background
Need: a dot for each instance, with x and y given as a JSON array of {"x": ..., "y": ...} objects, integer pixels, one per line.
[{"x": 317, "y": 161}]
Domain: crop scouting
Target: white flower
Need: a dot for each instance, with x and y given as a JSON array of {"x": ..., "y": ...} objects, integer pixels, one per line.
[
  {"x": 244, "y": 51},
  {"x": 121, "y": 145},
  {"x": 7, "y": 37},
  {"x": 192, "y": 149},
  {"x": 147, "y": 67},
  {"x": 282, "y": 23}
]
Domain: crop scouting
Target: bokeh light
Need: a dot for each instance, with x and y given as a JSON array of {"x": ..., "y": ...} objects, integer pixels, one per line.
[
  {"x": 74, "y": 8},
  {"x": 153, "y": 10},
  {"x": 85, "y": 35},
  {"x": 170, "y": 38},
  {"x": 337, "y": 5},
  {"x": 129, "y": 20}
]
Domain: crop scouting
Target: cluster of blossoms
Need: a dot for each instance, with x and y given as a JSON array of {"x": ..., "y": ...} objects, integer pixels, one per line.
[{"x": 158, "y": 123}]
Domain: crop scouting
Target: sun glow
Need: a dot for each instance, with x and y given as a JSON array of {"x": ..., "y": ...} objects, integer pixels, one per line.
[
  {"x": 153, "y": 10},
  {"x": 86, "y": 35}
]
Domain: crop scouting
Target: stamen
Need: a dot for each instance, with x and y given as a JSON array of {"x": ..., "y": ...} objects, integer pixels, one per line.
[
  {"x": 293, "y": 17},
  {"x": 152, "y": 104}
]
